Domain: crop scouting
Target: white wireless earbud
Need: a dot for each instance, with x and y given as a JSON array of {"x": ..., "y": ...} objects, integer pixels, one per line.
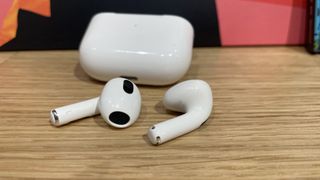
[
  {"x": 119, "y": 105},
  {"x": 194, "y": 98}
]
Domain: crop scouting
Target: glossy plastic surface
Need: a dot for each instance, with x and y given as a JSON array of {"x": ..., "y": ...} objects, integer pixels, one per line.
[
  {"x": 118, "y": 100},
  {"x": 119, "y": 105},
  {"x": 147, "y": 49},
  {"x": 192, "y": 97}
]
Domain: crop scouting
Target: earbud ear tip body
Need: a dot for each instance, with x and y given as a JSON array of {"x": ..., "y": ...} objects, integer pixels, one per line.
[
  {"x": 187, "y": 95},
  {"x": 120, "y": 107}
]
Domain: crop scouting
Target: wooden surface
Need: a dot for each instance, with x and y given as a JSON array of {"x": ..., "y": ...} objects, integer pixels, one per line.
[{"x": 265, "y": 124}]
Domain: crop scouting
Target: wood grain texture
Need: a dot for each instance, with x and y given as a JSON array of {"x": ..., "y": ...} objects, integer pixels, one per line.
[{"x": 265, "y": 123}]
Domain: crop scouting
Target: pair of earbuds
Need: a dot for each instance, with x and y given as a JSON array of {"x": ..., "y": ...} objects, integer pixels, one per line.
[{"x": 120, "y": 103}]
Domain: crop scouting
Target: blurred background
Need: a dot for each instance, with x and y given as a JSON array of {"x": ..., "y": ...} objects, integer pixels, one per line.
[{"x": 59, "y": 24}]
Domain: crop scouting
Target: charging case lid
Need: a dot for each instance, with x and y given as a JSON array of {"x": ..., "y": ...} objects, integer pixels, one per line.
[{"x": 148, "y": 49}]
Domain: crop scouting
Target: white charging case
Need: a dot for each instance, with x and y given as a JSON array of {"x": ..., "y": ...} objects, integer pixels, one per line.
[{"x": 148, "y": 49}]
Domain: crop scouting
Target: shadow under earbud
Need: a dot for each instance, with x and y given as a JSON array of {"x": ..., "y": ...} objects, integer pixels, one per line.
[
  {"x": 146, "y": 139},
  {"x": 100, "y": 122}
]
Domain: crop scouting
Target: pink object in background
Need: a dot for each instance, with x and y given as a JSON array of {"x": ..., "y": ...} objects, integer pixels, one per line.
[
  {"x": 261, "y": 22},
  {"x": 4, "y": 8}
]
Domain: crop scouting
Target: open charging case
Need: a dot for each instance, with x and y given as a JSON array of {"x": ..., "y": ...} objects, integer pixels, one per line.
[{"x": 147, "y": 49}]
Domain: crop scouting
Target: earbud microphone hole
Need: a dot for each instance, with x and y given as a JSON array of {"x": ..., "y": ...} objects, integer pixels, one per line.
[
  {"x": 158, "y": 139},
  {"x": 55, "y": 116}
]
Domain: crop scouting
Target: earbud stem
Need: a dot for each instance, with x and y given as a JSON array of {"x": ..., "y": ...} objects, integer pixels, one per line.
[
  {"x": 175, "y": 127},
  {"x": 66, "y": 114}
]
